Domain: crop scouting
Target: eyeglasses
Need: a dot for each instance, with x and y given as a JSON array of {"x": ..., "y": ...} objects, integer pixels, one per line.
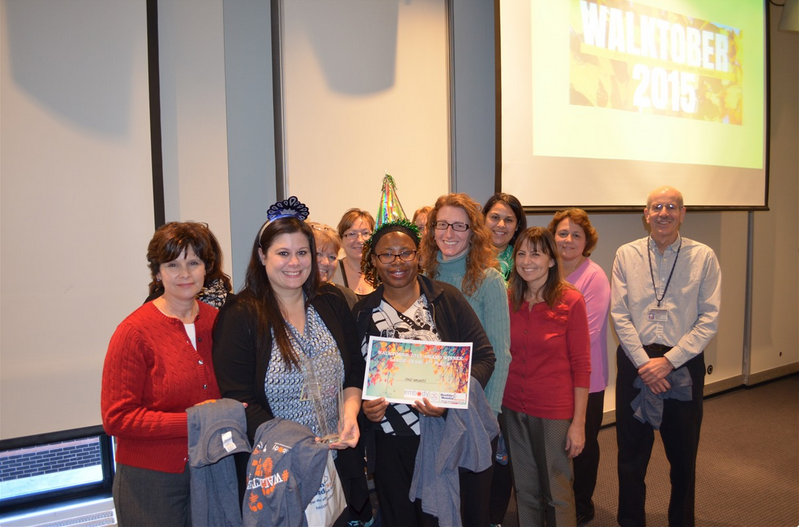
[
  {"x": 353, "y": 235},
  {"x": 657, "y": 208},
  {"x": 388, "y": 258},
  {"x": 456, "y": 226}
]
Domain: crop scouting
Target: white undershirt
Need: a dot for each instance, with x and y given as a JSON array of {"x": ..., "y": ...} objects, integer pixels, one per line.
[{"x": 190, "y": 328}]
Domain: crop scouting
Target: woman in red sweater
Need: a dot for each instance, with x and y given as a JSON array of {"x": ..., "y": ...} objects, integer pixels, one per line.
[
  {"x": 544, "y": 405},
  {"x": 159, "y": 363}
]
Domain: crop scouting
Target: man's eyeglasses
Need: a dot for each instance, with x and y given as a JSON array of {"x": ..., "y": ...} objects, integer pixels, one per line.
[
  {"x": 657, "y": 208},
  {"x": 456, "y": 226},
  {"x": 388, "y": 258}
]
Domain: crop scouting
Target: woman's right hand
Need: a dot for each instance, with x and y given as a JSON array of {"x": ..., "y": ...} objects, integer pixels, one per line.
[{"x": 375, "y": 409}]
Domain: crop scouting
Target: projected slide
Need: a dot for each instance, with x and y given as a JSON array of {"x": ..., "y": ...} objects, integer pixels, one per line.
[
  {"x": 603, "y": 100},
  {"x": 638, "y": 58}
]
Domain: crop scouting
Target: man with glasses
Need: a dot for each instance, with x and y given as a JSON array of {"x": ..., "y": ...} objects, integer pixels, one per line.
[{"x": 665, "y": 298}]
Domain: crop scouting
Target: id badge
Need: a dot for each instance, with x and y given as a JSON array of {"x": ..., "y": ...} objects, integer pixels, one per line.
[{"x": 657, "y": 315}]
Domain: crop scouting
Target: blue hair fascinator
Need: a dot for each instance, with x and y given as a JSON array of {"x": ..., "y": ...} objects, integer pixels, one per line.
[{"x": 289, "y": 207}]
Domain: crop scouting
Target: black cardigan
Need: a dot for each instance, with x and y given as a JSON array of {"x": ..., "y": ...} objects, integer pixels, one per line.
[
  {"x": 241, "y": 369},
  {"x": 455, "y": 321}
]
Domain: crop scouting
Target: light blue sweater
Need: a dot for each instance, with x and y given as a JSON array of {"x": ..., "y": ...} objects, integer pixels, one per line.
[{"x": 489, "y": 301}]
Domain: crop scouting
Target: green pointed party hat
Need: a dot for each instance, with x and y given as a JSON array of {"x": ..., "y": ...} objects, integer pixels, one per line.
[{"x": 390, "y": 207}]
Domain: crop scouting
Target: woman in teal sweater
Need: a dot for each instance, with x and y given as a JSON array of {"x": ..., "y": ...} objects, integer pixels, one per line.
[{"x": 457, "y": 250}]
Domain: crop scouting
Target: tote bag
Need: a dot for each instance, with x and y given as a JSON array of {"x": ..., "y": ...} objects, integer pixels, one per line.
[{"x": 330, "y": 502}]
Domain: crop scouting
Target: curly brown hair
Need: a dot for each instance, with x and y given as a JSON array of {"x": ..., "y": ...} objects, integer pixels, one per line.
[
  {"x": 579, "y": 217},
  {"x": 481, "y": 252}
]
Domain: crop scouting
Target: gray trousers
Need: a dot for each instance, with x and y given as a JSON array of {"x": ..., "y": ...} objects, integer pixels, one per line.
[
  {"x": 542, "y": 469},
  {"x": 149, "y": 498}
]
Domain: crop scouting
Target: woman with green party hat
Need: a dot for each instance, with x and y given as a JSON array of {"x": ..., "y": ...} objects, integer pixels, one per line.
[{"x": 410, "y": 306}]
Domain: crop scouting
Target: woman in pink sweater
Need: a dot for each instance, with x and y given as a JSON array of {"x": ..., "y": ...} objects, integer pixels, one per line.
[
  {"x": 544, "y": 405},
  {"x": 159, "y": 363}
]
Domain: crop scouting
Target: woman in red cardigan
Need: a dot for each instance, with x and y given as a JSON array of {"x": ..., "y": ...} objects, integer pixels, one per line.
[
  {"x": 159, "y": 363},
  {"x": 544, "y": 405}
]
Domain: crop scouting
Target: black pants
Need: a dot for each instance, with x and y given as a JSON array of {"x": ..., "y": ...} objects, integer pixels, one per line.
[
  {"x": 393, "y": 475},
  {"x": 350, "y": 464},
  {"x": 586, "y": 464},
  {"x": 501, "y": 488},
  {"x": 680, "y": 432}
]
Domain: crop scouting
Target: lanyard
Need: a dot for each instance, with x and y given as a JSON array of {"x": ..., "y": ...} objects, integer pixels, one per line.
[{"x": 666, "y": 287}]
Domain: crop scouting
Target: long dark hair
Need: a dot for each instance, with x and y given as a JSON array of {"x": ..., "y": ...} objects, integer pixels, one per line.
[
  {"x": 542, "y": 240},
  {"x": 514, "y": 204},
  {"x": 258, "y": 293}
]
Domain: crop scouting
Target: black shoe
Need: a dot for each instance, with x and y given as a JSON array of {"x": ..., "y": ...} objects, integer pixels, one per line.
[{"x": 585, "y": 519}]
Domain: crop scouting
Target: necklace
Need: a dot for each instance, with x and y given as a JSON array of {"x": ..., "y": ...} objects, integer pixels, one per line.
[
  {"x": 567, "y": 270},
  {"x": 360, "y": 287}
]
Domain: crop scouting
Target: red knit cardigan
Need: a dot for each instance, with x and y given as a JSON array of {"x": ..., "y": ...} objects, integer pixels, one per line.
[
  {"x": 550, "y": 349},
  {"x": 151, "y": 375}
]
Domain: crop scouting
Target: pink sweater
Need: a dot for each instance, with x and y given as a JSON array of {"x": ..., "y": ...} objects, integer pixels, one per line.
[
  {"x": 550, "y": 350},
  {"x": 592, "y": 282},
  {"x": 151, "y": 375}
]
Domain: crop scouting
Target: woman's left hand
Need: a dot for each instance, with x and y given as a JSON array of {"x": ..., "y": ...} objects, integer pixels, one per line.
[
  {"x": 427, "y": 409},
  {"x": 575, "y": 439},
  {"x": 349, "y": 435}
]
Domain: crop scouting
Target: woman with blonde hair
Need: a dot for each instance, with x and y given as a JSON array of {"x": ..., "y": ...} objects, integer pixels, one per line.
[
  {"x": 327, "y": 246},
  {"x": 420, "y": 219}
]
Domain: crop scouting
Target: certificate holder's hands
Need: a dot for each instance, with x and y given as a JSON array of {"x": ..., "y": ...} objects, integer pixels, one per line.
[
  {"x": 427, "y": 409},
  {"x": 575, "y": 439},
  {"x": 375, "y": 409}
]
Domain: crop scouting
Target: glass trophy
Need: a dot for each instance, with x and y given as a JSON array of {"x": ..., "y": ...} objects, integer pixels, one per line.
[
  {"x": 327, "y": 396},
  {"x": 327, "y": 402}
]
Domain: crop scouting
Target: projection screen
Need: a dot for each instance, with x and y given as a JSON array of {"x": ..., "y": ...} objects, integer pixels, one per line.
[{"x": 601, "y": 101}]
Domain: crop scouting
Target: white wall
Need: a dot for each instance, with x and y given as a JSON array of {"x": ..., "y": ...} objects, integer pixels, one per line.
[
  {"x": 193, "y": 103},
  {"x": 365, "y": 91},
  {"x": 776, "y": 279},
  {"x": 77, "y": 202}
]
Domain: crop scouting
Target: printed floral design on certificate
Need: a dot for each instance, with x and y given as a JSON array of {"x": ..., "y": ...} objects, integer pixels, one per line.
[{"x": 405, "y": 371}]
